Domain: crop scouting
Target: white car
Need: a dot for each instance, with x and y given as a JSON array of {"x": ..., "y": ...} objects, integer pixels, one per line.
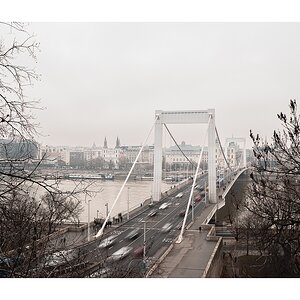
[
  {"x": 108, "y": 241},
  {"x": 121, "y": 253},
  {"x": 164, "y": 205},
  {"x": 179, "y": 195},
  {"x": 166, "y": 228}
]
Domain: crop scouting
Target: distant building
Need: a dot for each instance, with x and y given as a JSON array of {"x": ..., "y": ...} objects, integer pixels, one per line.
[
  {"x": 18, "y": 149},
  {"x": 174, "y": 156},
  {"x": 54, "y": 155},
  {"x": 76, "y": 158},
  {"x": 122, "y": 156},
  {"x": 131, "y": 152}
]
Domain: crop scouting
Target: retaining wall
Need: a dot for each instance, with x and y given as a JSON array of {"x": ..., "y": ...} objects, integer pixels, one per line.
[{"x": 215, "y": 263}]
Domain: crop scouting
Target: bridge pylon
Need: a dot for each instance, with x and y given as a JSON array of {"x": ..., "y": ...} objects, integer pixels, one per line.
[{"x": 184, "y": 117}]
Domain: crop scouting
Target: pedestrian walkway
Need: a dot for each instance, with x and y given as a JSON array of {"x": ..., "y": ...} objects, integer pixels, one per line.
[{"x": 190, "y": 258}]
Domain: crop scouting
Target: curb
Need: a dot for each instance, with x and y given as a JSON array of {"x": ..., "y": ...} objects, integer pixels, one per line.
[{"x": 162, "y": 257}]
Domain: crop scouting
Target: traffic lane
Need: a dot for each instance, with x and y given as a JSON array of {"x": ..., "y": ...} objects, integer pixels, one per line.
[
  {"x": 163, "y": 240},
  {"x": 186, "y": 190},
  {"x": 152, "y": 234},
  {"x": 155, "y": 237},
  {"x": 143, "y": 216},
  {"x": 164, "y": 216}
]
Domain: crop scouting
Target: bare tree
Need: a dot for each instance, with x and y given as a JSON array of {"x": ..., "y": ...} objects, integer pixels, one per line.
[
  {"x": 274, "y": 196},
  {"x": 31, "y": 208}
]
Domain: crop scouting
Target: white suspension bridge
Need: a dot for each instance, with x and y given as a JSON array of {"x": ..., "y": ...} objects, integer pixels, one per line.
[{"x": 162, "y": 118}]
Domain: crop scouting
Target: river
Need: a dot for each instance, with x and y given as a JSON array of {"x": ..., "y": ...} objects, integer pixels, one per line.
[{"x": 135, "y": 191}]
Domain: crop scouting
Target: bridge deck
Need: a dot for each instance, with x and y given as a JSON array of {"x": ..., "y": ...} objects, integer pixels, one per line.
[
  {"x": 189, "y": 258},
  {"x": 192, "y": 255}
]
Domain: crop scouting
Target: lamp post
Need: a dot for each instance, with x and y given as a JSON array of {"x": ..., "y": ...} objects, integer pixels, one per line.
[
  {"x": 205, "y": 194},
  {"x": 97, "y": 214},
  {"x": 144, "y": 250},
  {"x": 89, "y": 214},
  {"x": 128, "y": 204},
  {"x": 106, "y": 204},
  {"x": 193, "y": 203}
]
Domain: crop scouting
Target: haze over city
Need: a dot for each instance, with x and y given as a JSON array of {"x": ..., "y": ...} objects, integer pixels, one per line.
[{"x": 107, "y": 79}]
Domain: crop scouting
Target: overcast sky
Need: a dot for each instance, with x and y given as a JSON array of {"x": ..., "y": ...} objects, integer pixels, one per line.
[{"x": 107, "y": 79}]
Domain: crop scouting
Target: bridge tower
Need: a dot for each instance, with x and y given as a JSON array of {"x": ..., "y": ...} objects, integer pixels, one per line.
[{"x": 185, "y": 117}]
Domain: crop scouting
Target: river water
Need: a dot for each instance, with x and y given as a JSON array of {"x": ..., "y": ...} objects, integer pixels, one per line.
[{"x": 136, "y": 191}]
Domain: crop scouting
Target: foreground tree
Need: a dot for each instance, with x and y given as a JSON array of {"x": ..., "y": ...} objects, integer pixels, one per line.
[
  {"x": 31, "y": 208},
  {"x": 272, "y": 217}
]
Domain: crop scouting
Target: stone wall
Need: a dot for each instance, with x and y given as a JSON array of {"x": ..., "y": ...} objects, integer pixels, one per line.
[{"x": 215, "y": 264}]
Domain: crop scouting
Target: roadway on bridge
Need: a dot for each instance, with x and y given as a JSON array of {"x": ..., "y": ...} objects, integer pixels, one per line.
[{"x": 156, "y": 240}]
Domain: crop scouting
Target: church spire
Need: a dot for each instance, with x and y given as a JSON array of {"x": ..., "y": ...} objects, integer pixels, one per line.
[
  {"x": 105, "y": 143},
  {"x": 118, "y": 143}
]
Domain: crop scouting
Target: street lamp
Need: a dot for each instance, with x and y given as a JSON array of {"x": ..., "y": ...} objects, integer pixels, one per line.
[
  {"x": 89, "y": 214},
  {"x": 106, "y": 204},
  {"x": 128, "y": 204},
  {"x": 193, "y": 203},
  {"x": 97, "y": 214},
  {"x": 144, "y": 250},
  {"x": 205, "y": 194}
]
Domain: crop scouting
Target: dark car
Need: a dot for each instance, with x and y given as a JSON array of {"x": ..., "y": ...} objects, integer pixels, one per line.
[
  {"x": 182, "y": 213},
  {"x": 197, "y": 199},
  {"x": 133, "y": 234}
]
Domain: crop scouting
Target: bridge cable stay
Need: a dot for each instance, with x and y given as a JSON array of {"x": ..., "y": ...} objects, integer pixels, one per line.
[
  {"x": 193, "y": 186},
  {"x": 231, "y": 169},
  {"x": 179, "y": 147},
  {"x": 222, "y": 149},
  {"x": 100, "y": 232}
]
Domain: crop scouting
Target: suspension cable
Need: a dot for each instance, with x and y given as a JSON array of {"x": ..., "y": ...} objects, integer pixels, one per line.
[
  {"x": 179, "y": 147},
  {"x": 192, "y": 189},
  {"x": 222, "y": 149},
  {"x": 100, "y": 232}
]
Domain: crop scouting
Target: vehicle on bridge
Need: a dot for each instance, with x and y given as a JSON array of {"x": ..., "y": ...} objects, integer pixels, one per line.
[
  {"x": 182, "y": 213},
  {"x": 133, "y": 234},
  {"x": 108, "y": 241},
  {"x": 152, "y": 213},
  {"x": 121, "y": 253},
  {"x": 199, "y": 188},
  {"x": 167, "y": 227},
  {"x": 164, "y": 205},
  {"x": 197, "y": 199}
]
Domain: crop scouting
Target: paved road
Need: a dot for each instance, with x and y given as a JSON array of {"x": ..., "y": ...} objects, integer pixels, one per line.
[{"x": 156, "y": 240}]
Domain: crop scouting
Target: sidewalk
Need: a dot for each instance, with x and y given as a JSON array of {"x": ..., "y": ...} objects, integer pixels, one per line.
[{"x": 189, "y": 258}]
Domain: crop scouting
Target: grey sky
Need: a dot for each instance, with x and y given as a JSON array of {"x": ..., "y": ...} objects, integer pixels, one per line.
[{"x": 107, "y": 79}]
